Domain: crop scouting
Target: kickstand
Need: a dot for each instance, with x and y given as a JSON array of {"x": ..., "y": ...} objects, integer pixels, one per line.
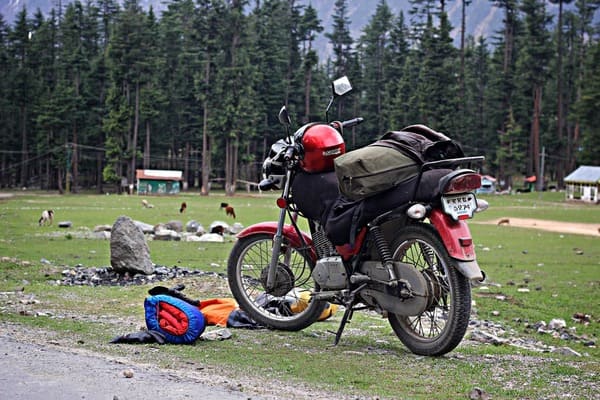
[{"x": 345, "y": 319}]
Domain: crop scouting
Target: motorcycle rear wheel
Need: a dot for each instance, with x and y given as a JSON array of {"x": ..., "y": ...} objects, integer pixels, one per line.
[
  {"x": 284, "y": 308},
  {"x": 442, "y": 326}
]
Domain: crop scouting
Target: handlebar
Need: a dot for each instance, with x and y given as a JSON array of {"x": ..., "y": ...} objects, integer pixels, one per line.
[
  {"x": 289, "y": 152},
  {"x": 352, "y": 122},
  {"x": 340, "y": 125}
]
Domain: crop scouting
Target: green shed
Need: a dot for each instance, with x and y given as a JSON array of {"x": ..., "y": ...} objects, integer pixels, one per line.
[{"x": 156, "y": 181}]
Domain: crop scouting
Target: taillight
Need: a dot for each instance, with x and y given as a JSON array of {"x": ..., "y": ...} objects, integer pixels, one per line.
[{"x": 463, "y": 183}]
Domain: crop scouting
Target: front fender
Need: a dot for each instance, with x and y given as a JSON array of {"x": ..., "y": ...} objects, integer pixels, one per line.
[{"x": 289, "y": 232}]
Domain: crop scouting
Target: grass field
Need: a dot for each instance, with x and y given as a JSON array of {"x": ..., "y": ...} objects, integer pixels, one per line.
[{"x": 561, "y": 272}]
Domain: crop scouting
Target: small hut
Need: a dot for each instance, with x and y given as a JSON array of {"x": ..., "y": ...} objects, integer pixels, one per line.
[
  {"x": 488, "y": 184},
  {"x": 156, "y": 181},
  {"x": 584, "y": 184}
]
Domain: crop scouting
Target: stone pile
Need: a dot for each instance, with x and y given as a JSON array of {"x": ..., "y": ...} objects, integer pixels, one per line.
[
  {"x": 496, "y": 334},
  {"x": 107, "y": 276}
]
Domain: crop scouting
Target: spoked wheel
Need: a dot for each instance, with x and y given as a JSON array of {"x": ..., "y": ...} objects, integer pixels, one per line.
[
  {"x": 282, "y": 307},
  {"x": 441, "y": 327}
]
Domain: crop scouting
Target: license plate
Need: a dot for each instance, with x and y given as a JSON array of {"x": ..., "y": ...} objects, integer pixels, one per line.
[{"x": 460, "y": 206}]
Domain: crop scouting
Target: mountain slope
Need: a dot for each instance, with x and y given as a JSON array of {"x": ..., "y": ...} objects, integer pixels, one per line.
[{"x": 483, "y": 18}]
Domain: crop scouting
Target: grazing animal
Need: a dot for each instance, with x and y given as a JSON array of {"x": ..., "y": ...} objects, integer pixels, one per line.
[
  {"x": 146, "y": 204},
  {"x": 218, "y": 229},
  {"x": 46, "y": 218},
  {"x": 228, "y": 210},
  {"x": 183, "y": 207}
]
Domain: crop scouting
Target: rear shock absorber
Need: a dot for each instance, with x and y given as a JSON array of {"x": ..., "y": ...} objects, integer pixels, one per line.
[{"x": 384, "y": 252}]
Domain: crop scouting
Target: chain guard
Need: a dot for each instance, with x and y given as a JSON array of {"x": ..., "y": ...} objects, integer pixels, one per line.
[{"x": 389, "y": 298}]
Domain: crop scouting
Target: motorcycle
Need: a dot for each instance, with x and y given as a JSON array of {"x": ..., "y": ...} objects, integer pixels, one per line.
[{"x": 408, "y": 253}]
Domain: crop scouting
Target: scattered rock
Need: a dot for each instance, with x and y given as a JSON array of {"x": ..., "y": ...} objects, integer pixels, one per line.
[
  {"x": 107, "y": 276},
  {"x": 128, "y": 373},
  {"x": 557, "y": 324},
  {"x": 566, "y": 351},
  {"x": 129, "y": 251},
  {"x": 193, "y": 227},
  {"x": 102, "y": 228},
  {"x": 162, "y": 233},
  {"x": 478, "y": 394},
  {"x": 65, "y": 224},
  {"x": 212, "y": 237},
  {"x": 175, "y": 225},
  {"x": 146, "y": 228}
]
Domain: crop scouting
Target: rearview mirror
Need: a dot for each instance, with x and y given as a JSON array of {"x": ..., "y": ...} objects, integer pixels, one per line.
[
  {"x": 284, "y": 117},
  {"x": 341, "y": 86}
]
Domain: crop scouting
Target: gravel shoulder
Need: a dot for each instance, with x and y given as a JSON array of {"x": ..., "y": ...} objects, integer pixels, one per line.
[
  {"x": 32, "y": 371},
  {"x": 40, "y": 365}
]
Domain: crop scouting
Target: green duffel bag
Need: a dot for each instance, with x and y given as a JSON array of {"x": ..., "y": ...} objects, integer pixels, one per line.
[{"x": 372, "y": 169}]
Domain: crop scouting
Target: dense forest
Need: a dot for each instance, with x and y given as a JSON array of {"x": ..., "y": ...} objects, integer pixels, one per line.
[{"x": 98, "y": 89}]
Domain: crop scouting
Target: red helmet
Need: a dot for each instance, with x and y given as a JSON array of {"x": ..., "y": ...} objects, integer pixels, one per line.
[{"x": 321, "y": 145}]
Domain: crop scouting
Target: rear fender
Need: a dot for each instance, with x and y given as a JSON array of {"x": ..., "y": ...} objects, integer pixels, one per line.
[
  {"x": 455, "y": 235},
  {"x": 289, "y": 233}
]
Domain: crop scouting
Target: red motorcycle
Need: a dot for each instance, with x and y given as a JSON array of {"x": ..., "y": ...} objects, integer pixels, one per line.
[{"x": 406, "y": 253}]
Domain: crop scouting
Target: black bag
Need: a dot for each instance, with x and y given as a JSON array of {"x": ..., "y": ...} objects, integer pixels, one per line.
[{"x": 347, "y": 217}]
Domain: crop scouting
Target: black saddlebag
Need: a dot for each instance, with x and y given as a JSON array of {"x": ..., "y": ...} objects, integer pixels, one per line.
[
  {"x": 345, "y": 217},
  {"x": 315, "y": 193}
]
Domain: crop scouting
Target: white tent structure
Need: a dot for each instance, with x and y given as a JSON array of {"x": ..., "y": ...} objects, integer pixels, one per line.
[{"x": 584, "y": 184}]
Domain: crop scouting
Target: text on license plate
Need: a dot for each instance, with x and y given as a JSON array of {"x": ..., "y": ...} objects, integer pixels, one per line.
[{"x": 460, "y": 206}]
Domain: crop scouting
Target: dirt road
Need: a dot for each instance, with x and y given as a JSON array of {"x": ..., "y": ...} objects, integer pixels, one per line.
[{"x": 591, "y": 229}]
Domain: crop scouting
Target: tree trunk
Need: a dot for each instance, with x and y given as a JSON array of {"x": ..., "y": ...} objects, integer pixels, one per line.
[
  {"x": 186, "y": 165},
  {"x": 136, "y": 122},
  {"x": 560, "y": 171},
  {"x": 75, "y": 163},
  {"x": 99, "y": 158},
  {"x": 508, "y": 48},
  {"x": 205, "y": 138},
  {"x": 24, "y": 150},
  {"x": 535, "y": 137},
  {"x": 147, "y": 147}
]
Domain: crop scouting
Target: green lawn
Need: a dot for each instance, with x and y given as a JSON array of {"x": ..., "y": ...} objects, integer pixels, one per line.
[{"x": 561, "y": 271}]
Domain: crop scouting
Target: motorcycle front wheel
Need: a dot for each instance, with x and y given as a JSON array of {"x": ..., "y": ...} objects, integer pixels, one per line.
[
  {"x": 287, "y": 306},
  {"x": 441, "y": 327}
]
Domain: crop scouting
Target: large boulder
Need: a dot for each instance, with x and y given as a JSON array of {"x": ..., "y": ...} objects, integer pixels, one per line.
[{"x": 129, "y": 251}]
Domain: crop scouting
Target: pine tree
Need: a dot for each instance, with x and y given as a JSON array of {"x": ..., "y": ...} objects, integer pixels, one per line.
[
  {"x": 6, "y": 107},
  {"x": 309, "y": 26},
  {"x": 375, "y": 58},
  {"x": 502, "y": 90},
  {"x": 532, "y": 66},
  {"x": 340, "y": 39},
  {"x": 588, "y": 106},
  {"x": 22, "y": 90},
  {"x": 127, "y": 53}
]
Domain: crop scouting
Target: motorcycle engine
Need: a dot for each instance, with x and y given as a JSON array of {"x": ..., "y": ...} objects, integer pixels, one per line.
[
  {"x": 330, "y": 273},
  {"x": 390, "y": 298}
]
